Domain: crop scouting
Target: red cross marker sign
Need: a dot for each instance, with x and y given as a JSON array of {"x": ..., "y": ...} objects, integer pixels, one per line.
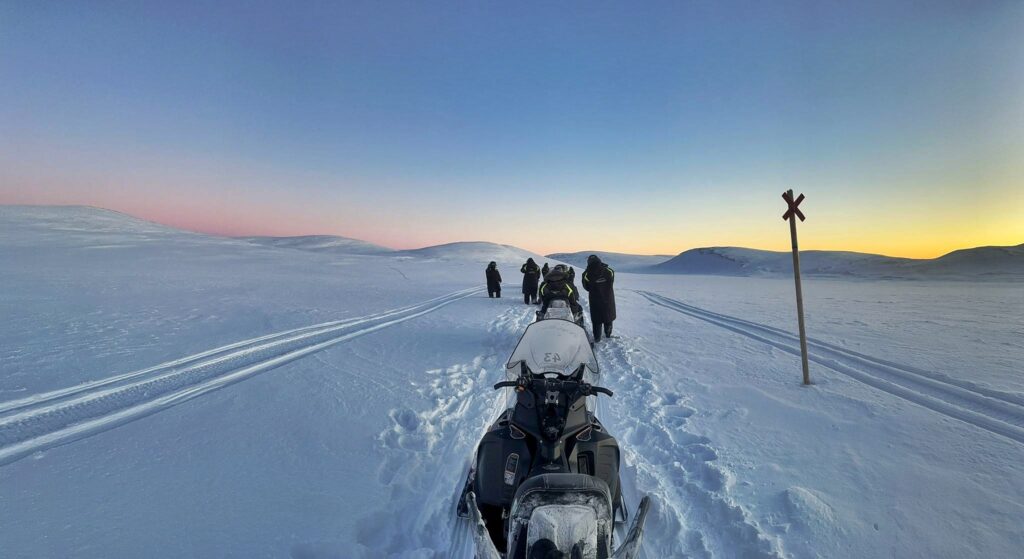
[{"x": 793, "y": 209}]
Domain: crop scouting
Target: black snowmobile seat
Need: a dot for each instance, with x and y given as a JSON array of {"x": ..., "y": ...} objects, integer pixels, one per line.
[
  {"x": 554, "y": 485},
  {"x": 560, "y": 489}
]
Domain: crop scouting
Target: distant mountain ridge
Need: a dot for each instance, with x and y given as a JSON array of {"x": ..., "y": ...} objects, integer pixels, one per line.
[
  {"x": 975, "y": 263},
  {"x": 621, "y": 262},
  {"x": 481, "y": 251},
  {"x": 98, "y": 227},
  {"x": 321, "y": 243}
]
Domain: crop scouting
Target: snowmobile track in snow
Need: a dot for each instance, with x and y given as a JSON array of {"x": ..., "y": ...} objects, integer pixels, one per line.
[
  {"x": 998, "y": 412},
  {"x": 57, "y": 417},
  {"x": 694, "y": 514},
  {"x": 426, "y": 453}
]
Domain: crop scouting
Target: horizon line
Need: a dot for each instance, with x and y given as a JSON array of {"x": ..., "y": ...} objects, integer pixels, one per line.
[{"x": 242, "y": 236}]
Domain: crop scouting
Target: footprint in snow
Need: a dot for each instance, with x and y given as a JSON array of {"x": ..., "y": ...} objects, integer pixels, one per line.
[
  {"x": 406, "y": 420},
  {"x": 702, "y": 452}
]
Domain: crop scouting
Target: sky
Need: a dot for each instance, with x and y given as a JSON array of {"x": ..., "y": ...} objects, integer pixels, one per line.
[{"x": 648, "y": 127}]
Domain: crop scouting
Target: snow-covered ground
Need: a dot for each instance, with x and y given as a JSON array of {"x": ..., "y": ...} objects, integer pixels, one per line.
[{"x": 168, "y": 394}]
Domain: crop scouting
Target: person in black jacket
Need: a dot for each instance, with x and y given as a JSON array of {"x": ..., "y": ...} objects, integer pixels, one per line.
[
  {"x": 531, "y": 275},
  {"x": 556, "y": 286},
  {"x": 544, "y": 271},
  {"x": 493, "y": 281},
  {"x": 598, "y": 280}
]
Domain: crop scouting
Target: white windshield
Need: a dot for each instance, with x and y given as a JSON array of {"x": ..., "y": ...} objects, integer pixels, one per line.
[{"x": 554, "y": 346}]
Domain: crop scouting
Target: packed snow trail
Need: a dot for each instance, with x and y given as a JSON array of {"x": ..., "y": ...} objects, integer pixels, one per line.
[
  {"x": 61, "y": 416},
  {"x": 226, "y": 350},
  {"x": 693, "y": 514},
  {"x": 995, "y": 411},
  {"x": 426, "y": 454}
]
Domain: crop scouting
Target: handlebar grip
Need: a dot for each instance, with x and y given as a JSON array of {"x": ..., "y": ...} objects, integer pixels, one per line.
[
  {"x": 601, "y": 390},
  {"x": 505, "y": 384}
]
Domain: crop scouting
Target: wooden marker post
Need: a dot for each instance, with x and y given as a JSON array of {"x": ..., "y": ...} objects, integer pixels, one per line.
[{"x": 791, "y": 214}]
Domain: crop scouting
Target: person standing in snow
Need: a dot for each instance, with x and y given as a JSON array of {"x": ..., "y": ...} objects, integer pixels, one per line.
[
  {"x": 531, "y": 276},
  {"x": 493, "y": 281},
  {"x": 571, "y": 277},
  {"x": 556, "y": 286},
  {"x": 544, "y": 271},
  {"x": 598, "y": 280}
]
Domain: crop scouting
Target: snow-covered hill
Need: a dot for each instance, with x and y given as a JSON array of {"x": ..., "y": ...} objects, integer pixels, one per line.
[
  {"x": 324, "y": 243},
  {"x": 80, "y": 226},
  {"x": 1000, "y": 263},
  {"x": 622, "y": 262},
  {"x": 170, "y": 394},
  {"x": 995, "y": 262},
  {"x": 733, "y": 261},
  {"x": 472, "y": 251}
]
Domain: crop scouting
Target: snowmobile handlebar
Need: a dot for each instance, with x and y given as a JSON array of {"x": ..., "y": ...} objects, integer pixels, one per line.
[{"x": 588, "y": 389}]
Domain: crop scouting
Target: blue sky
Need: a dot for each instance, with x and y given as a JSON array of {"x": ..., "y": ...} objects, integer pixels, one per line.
[{"x": 645, "y": 128}]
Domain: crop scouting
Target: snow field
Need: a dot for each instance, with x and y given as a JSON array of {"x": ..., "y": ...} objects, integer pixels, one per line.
[
  {"x": 693, "y": 514},
  {"x": 354, "y": 427},
  {"x": 92, "y": 407},
  {"x": 427, "y": 454},
  {"x": 993, "y": 410}
]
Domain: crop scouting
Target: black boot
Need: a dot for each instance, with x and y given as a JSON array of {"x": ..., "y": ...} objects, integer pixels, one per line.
[
  {"x": 608, "y": 330},
  {"x": 597, "y": 332}
]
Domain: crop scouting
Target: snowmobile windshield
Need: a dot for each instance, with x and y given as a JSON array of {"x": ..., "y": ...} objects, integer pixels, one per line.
[
  {"x": 559, "y": 309},
  {"x": 553, "y": 346}
]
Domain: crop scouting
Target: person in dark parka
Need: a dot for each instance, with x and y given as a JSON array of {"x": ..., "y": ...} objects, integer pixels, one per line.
[
  {"x": 598, "y": 280},
  {"x": 571, "y": 278},
  {"x": 556, "y": 286},
  {"x": 493, "y": 281},
  {"x": 544, "y": 271},
  {"x": 531, "y": 276}
]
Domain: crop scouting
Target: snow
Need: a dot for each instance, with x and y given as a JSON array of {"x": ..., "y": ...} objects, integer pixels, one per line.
[
  {"x": 476, "y": 251},
  {"x": 623, "y": 262},
  {"x": 169, "y": 394},
  {"x": 565, "y": 525},
  {"x": 332, "y": 243}
]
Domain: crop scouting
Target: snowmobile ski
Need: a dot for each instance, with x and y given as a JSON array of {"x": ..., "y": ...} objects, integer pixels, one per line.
[
  {"x": 484, "y": 546},
  {"x": 630, "y": 548},
  {"x": 462, "y": 509}
]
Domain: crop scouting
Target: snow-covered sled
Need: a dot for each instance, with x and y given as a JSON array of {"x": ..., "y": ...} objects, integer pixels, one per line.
[{"x": 546, "y": 474}]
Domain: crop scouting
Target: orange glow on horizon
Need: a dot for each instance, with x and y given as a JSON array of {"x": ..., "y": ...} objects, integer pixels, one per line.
[{"x": 917, "y": 236}]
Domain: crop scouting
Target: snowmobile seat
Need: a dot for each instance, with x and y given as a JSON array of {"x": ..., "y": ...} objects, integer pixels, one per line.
[
  {"x": 556, "y": 484},
  {"x": 568, "y": 490}
]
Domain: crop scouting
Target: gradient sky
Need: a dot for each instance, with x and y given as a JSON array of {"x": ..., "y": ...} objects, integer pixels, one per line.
[{"x": 616, "y": 126}]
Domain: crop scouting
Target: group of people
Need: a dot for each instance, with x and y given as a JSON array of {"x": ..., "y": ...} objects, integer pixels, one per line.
[{"x": 559, "y": 283}]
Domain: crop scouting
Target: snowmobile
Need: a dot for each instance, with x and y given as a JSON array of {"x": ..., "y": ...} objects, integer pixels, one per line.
[
  {"x": 561, "y": 309},
  {"x": 545, "y": 478}
]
